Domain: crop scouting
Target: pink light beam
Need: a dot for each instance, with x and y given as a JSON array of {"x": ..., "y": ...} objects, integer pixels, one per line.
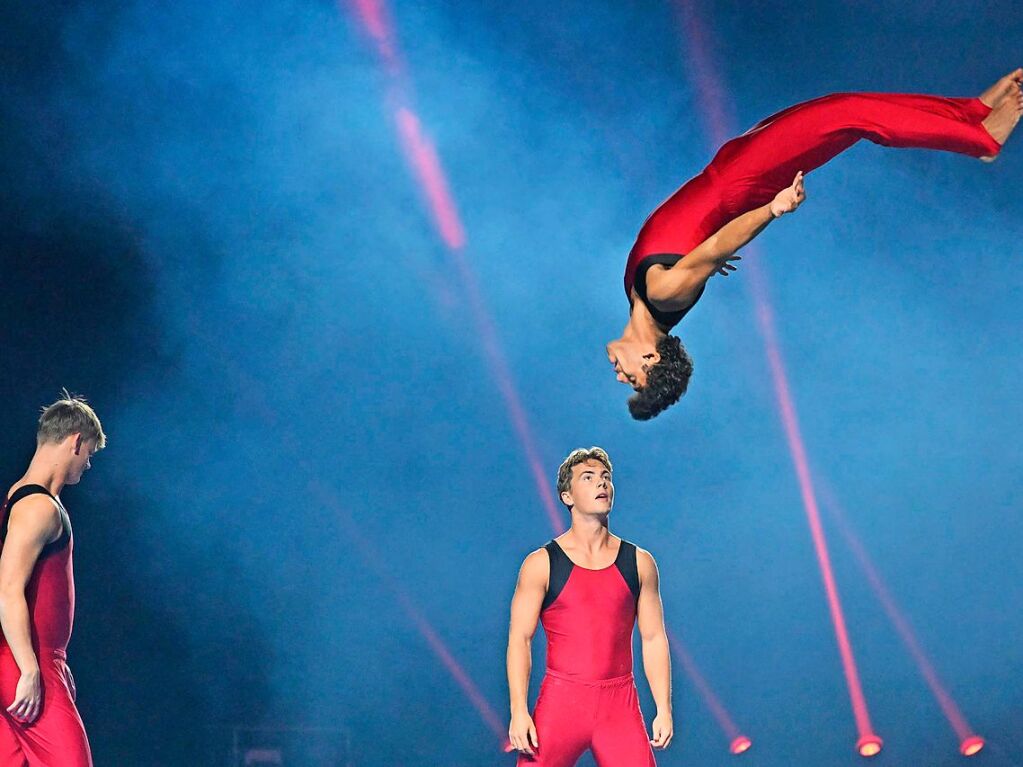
[
  {"x": 798, "y": 450},
  {"x": 371, "y": 556},
  {"x": 425, "y": 165},
  {"x": 713, "y": 104},
  {"x": 376, "y": 23},
  {"x": 967, "y": 738},
  {"x": 422, "y": 157},
  {"x": 254, "y": 390},
  {"x": 738, "y": 743}
]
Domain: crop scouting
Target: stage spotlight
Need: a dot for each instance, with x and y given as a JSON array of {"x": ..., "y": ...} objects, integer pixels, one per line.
[
  {"x": 740, "y": 745},
  {"x": 971, "y": 745},
  {"x": 869, "y": 745},
  {"x": 717, "y": 708}
]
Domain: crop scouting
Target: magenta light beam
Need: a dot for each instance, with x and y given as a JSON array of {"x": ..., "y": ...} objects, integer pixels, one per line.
[
  {"x": 424, "y": 161},
  {"x": 711, "y": 96},
  {"x": 376, "y": 22},
  {"x": 425, "y": 165},
  {"x": 868, "y": 740},
  {"x": 738, "y": 743},
  {"x": 254, "y": 389},
  {"x": 968, "y": 740},
  {"x": 423, "y": 158},
  {"x": 373, "y": 558}
]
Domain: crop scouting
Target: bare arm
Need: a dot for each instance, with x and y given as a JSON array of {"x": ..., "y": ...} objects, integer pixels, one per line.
[
  {"x": 656, "y": 657},
  {"x": 525, "y": 613},
  {"x": 34, "y": 522},
  {"x": 676, "y": 288}
]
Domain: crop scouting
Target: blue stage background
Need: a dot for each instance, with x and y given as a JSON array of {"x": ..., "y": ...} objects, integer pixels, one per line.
[{"x": 210, "y": 229}]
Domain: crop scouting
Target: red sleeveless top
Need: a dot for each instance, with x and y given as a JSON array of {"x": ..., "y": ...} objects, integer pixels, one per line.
[
  {"x": 50, "y": 592},
  {"x": 588, "y": 616}
]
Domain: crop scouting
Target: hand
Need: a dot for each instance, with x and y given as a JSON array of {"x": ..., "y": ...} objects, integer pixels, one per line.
[
  {"x": 521, "y": 732},
  {"x": 726, "y": 267},
  {"x": 787, "y": 200},
  {"x": 28, "y": 698},
  {"x": 663, "y": 730}
]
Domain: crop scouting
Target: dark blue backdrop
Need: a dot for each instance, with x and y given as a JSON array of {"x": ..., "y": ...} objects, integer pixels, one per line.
[{"x": 208, "y": 226}]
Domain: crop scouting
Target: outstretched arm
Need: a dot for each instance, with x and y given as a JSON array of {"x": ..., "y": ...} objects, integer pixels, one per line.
[
  {"x": 656, "y": 658},
  {"x": 525, "y": 612},
  {"x": 677, "y": 287}
]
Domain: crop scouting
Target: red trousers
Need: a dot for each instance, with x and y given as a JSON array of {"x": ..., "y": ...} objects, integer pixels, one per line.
[
  {"x": 604, "y": 717},
  {"x": 750, "y": 170},
  {"x": 57, "y": 737}
]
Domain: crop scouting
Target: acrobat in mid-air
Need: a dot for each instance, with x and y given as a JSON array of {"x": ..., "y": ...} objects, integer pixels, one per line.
[{"x": 754, "y": 179}]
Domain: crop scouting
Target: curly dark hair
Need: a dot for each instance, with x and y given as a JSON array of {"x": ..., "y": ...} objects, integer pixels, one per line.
[{"x": 666, "y": 381}]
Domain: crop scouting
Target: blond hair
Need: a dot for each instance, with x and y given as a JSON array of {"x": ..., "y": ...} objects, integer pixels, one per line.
[
  {"x": 577, "y": 456},
  {"x": 70, "y": 414}
]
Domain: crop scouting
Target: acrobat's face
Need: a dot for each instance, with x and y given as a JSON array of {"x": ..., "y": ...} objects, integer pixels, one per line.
[
  {"x": 591, "y": 490},
  {"x": 80, "y": 458},
  {"x": 631, "y": 361}
]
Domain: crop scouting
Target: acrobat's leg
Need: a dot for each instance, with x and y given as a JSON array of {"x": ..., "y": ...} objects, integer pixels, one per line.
[
  {"x": 757, "y": 165},
  {"x": 563, "y": 715},
  {"x": 620, "y": 736},
  {"x": 57, "y": 737}
]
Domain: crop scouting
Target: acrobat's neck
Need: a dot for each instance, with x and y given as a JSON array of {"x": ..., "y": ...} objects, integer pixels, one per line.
[{"x": 642, "y": 327}]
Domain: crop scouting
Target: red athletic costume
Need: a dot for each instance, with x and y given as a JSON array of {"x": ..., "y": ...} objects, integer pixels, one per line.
[
  {"x": 750, "y": 170},
  {"x": 56, "y": 738},
  {"x": 588, "y": 698}
]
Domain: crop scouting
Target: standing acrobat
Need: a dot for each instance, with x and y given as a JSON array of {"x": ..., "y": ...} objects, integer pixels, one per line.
[
  {"x": 41, "y": 726},
  {"x": 589, "y": 588},
  {"x": 696, "y": 232}
]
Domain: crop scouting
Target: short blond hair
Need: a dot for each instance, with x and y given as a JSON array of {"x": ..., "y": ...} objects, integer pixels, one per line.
[
  {"x": 577, "y": 456},
  {"x": 70, "y": 414}
]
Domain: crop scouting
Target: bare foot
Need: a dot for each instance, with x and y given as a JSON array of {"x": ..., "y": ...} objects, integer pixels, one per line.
[
  {"x": 993, "y": 96},
  {"x": 1003, "y": 119}
]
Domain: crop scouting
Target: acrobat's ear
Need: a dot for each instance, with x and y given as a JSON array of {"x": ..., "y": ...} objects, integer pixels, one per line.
[{"x": 650, "y": 359}]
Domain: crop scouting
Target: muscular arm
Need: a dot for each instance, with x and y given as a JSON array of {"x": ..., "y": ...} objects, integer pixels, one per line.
[
  {"x": 34, "y": 522},
  {"x": 656, "y": 658},
  {"x": 525, "y": 613},
  {"x": 677, "y": 288}
]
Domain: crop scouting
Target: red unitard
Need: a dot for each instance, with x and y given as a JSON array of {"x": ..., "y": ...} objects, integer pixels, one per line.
[
  {"x": 588, "y": 698},
  {"x": 750, "y": 170},
  {"x": 57, "y": 737}
]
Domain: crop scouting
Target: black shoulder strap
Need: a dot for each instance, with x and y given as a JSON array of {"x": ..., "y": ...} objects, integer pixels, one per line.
[
  {"x": 561, "y": 568},
  {"x": 626, "y": 562},
  {"x": 23, "y": 492},
  {"x": 664, "y": 319}
]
